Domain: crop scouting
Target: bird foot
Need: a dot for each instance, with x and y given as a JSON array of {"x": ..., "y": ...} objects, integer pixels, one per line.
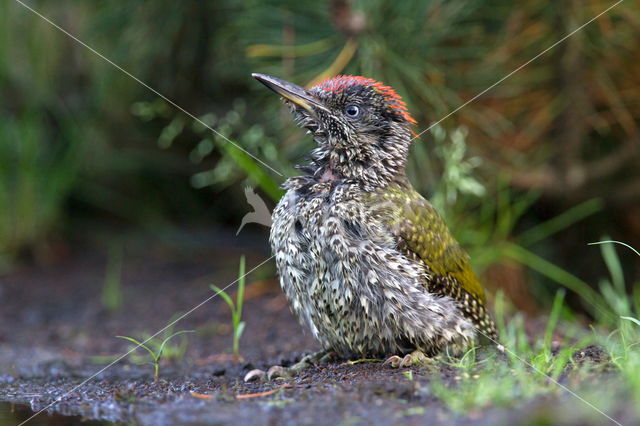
[
  {"x": 255, "y": 374},
  {"x": 277, "y": 371},
  {"x": 414, "y": 358}
]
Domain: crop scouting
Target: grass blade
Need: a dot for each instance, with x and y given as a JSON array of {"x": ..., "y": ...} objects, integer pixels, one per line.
[
  {"x": 241, "y": 283},
  {"x": 140, "y": 345},
  {"x": 554, "y": 316},
  {"x": 635, "y": 320},
  {"x": 224, "y": 295},
  {"x": 560, "y": 222},
  {"x": 164, "y": 342},
  {"x": 558, "y": 275}
]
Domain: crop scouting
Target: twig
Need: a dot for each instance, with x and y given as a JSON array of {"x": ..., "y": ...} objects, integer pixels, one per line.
[
  {"x": 201, "y": 395},
  {"x": 265, "y": 393},
  {"x": 361, "y": 361}
]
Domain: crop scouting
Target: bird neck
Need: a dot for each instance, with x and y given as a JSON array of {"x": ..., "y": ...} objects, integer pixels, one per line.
[{"x": 373, "y": 164}]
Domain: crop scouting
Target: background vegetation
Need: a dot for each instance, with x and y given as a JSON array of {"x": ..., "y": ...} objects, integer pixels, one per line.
[{"x": 527, "y": 175}]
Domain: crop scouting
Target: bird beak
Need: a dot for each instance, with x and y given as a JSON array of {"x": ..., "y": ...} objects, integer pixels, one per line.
[{"x": 292, "y": 92}]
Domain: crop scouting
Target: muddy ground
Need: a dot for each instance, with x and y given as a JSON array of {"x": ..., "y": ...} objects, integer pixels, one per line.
[{"x": 55, "y": 332}]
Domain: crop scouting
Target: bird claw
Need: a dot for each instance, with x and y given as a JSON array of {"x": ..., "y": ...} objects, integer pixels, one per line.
[
  {"x": 394, "y": 361},
  {"x": 414, "y": 358},
  {"x": 278, "y": 372},
  {"x": 255, "y": 374}
]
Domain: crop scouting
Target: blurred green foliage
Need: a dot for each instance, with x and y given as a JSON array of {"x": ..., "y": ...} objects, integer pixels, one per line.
[
  {"x": 36, "y": 177},
  {"x": 552, "y": 146},
  {"x": 82, "y": 141},
  {"x": 112, "y": 292}
]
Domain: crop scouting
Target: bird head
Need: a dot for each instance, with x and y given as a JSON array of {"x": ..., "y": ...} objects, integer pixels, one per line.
[{"x": 362, "y": 127}]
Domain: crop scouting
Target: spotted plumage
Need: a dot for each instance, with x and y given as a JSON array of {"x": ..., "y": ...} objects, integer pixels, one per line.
[{"x": 364, "y": 260}]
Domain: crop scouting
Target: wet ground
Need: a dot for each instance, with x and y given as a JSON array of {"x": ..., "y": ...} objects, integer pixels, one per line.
[{"x": 55, "y": 333}]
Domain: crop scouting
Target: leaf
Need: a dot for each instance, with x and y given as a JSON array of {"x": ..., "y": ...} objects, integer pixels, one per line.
[
  {"x": 240, "y": 329},
  {"x": 170, "y": 132},
  {"x": 254, "y": 170},
  {"x": 612, "y": 261},
  {"x": 224, "y": 295},
  {"x": 139, "y": 345},
  {"x": 554, "y": 317},
  {"x": 241, "y": 283}
]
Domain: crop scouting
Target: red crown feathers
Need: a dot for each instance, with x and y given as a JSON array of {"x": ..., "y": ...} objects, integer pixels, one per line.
[{"x": 340, "y": 83}]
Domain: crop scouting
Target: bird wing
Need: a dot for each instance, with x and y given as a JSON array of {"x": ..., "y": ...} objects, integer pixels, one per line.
[{"x": 422, "y": 235}]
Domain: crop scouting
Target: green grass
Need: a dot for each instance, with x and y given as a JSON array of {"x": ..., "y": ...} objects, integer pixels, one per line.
[
  {"x": 112, "y": 289},
  {"x": 236, "y": 309},
  {"x": 159, "y": 352},
  {"x": 37, "y": 173},
  {"x": 533, "y": 365}
]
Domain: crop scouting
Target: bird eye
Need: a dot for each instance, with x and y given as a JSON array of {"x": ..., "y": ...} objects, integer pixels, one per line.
[{"x": 352, "y": 111}]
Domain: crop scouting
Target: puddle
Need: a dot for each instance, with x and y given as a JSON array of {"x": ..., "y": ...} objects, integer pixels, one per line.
[{"x": 14, "y": 414}]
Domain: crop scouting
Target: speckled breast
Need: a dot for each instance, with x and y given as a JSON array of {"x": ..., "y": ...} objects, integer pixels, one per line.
[{"x": 342, "y": 273}]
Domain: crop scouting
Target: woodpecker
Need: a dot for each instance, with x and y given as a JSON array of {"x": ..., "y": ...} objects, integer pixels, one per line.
[{"x": 364, "y": 260}]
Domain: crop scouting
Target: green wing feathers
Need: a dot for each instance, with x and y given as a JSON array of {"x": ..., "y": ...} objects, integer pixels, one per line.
[
  {"x": 422, "y": 234},
  {"x": 430, "y": 239}
]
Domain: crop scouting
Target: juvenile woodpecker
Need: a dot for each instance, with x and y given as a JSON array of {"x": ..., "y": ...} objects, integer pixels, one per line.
[{"x": 365, "y": 261}]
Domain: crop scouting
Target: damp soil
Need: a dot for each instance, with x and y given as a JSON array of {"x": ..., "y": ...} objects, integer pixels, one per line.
[{"x": 57, "y": 337}]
